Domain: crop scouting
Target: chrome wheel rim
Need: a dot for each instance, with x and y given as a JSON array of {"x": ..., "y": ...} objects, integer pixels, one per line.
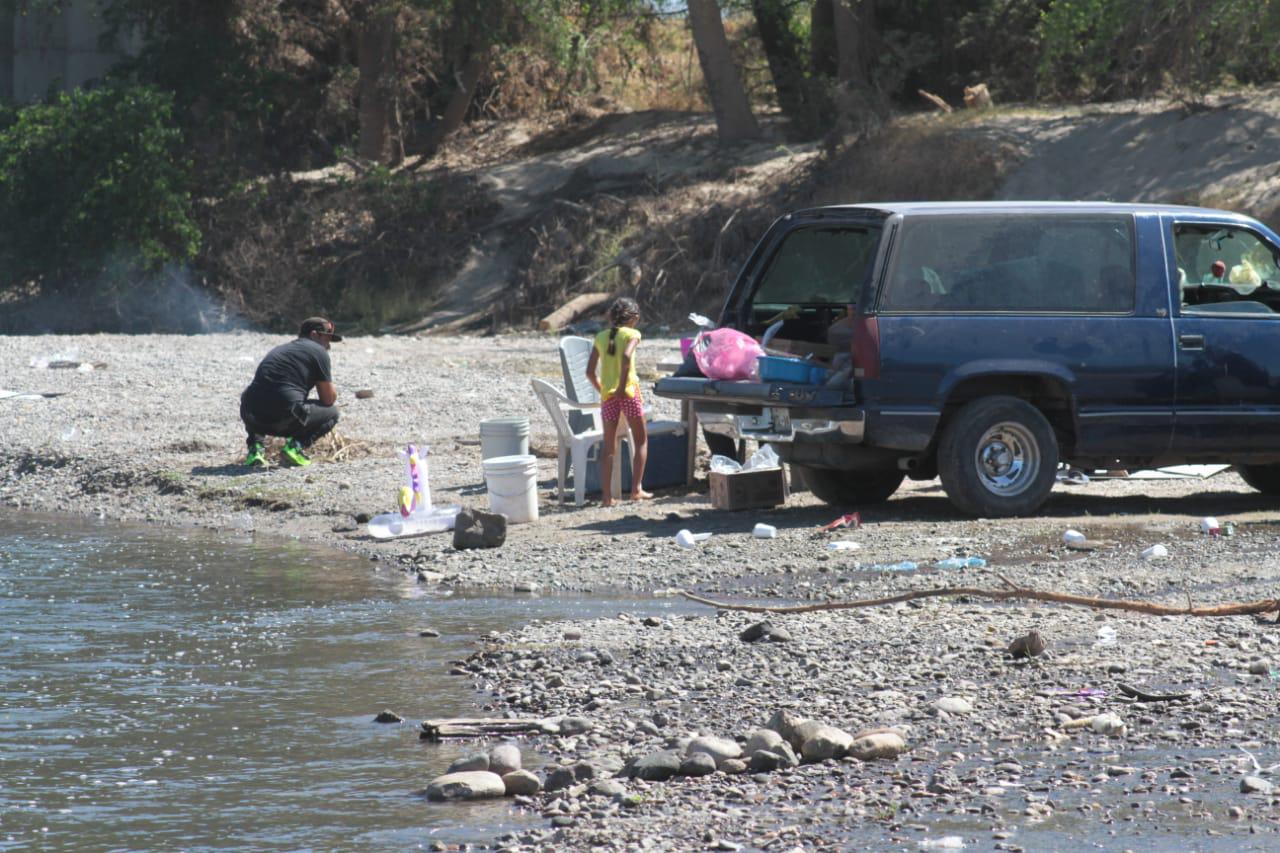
[{"x": 1007, "y": 459}]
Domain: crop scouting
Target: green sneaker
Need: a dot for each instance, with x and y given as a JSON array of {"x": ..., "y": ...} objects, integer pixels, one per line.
[
  {"x": 257, "y": 457},
  {"x": 293, "y": 455}
]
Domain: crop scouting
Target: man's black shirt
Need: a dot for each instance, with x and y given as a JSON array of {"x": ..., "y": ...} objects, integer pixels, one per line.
[{"x": 286, "y": 376}]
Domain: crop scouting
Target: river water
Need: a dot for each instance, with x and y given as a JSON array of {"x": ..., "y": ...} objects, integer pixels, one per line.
[{"x": 173, "y": 689}]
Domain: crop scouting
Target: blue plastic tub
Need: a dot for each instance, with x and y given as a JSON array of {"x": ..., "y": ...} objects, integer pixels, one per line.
[{"x": 776, "y": 368}]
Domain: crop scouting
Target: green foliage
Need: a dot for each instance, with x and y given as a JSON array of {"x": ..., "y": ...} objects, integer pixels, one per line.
[
  {"x": 91, "y": 178},
  {"x": 1126, "y": 48}
]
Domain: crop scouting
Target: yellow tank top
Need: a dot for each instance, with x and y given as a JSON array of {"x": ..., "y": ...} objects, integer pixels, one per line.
[{"x": 611, "y": 365}]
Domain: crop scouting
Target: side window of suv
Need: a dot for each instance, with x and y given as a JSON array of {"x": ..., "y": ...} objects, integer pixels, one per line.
[
  {"x": 1024, "y": 263},
  {"x": 1225, "y": 269}
]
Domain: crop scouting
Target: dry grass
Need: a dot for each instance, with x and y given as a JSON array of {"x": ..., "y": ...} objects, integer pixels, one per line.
[{"x": 336, "y": 447}]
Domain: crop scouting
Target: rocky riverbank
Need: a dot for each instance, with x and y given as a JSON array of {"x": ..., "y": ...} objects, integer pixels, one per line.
[{"x": 1040, "y": 753}]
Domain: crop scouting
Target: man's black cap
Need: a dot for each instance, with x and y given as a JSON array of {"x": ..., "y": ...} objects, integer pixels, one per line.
[{"x": 318, "y": 324}]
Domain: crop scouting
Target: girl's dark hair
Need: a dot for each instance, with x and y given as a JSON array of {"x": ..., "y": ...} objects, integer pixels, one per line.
[{"x": 624, "y": 308}]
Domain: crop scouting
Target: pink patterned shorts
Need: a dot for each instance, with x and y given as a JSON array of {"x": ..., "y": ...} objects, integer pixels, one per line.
[{"x": 620, "y": 406}]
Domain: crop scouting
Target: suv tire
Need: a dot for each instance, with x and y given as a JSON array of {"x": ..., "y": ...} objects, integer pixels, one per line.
[
  {"x": 1264, "y": 478},
  {"x": 998, "y": 457},
  {"x": 849, "y": 488}
]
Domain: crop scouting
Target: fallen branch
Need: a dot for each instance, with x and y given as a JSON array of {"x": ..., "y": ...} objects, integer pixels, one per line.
[
  {"x": 481, "y": 726},
  {"x": 935, "y": 100},
  {"x": 1142, "y": 696},
  {"x": 572, "y": 310},
  {"x": 1267, "y": 605}
]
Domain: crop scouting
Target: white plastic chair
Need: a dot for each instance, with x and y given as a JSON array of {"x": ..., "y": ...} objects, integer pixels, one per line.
[
  {"x": 575, "y": 448},
  {"x": 575, "y": 352}
]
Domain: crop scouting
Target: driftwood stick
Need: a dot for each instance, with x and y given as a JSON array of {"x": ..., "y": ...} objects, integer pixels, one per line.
[
  {"x": 1142, "y": 696},
  {"x": 1266, "y": 605}
]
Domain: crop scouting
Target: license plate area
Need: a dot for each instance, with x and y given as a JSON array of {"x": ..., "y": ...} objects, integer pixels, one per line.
[{"x": 773, "y": 422}]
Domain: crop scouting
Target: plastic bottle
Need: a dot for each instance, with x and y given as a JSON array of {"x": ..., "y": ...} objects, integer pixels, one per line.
[
  {"x": 764, "y": 531},
  {"x": 687, "y": 539},
  {"x": 961, "y": 563},
  {"x": 904, "y": 566}
]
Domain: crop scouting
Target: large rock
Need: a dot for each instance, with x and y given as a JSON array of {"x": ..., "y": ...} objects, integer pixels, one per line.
[
  {"x": 873, "y": 745},
  {"x": 657, "y": 766},
  {"x": 575, "y": 726},
  {"x": 474, "y": 785},
  {"x": 718, "y": 748},
  {"x": 504, "y": 758},
  {"x": 565, "y": 777},
  {"x": 826, "y": 742},
  {"x": 761, "y": 739},
  {"x": 476, "y": 528},
  {"x": 784, "y": 722},
  {"x": 521, "y": 783},
  {"x": 469, "y": 763},
  {"x": 698, "y": 764},
  {"x": 766, "y": 761},
  {"x": 954, "y": 705},
  {"x": 804, "y": 731},
  {"x": 765, "y": 631},
  {"x": 1256, "y": 785}
]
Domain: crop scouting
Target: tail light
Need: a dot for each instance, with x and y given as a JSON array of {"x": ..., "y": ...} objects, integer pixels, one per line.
[{"x": 866, "y": 347}]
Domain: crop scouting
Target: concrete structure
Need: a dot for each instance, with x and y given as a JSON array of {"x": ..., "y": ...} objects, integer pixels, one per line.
[{"x": 40, "y": 51}]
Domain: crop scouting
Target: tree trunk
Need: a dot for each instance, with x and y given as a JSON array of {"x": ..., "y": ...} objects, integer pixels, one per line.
[
  {"x": 455, "y": 111},
  {"x": 734, "y": 120},
  {"x": 822, "y": 39},
  {"x": 379, "y": 115},
  {"x": 855, "y": 27},
  {"x": 782, "y": 48}
]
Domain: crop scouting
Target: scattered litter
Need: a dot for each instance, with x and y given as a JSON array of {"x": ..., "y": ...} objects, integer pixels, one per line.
[
  {"x": 765, "y": 457},
  {"x": 904, "y": 566},
  {"x": 764, "y": 531},
  {"x": 1083, "y": 692},
  {"x": 1155, "y": 552},
  {"x": 1073, "y": 537},
  {"x": 843, "y": 545},
  {"x": 701, "y": 321},
  {"x": 961, "y": 563},
  {"x": 29, "y": 395},
  {"x": 1073, "y": 477},
  {"x": 1108, "y": 724},
  {"x": 725, "y": 465},
  {"x": 946, "y": 842},
  {"x": 67, "y": 361},
  {"x": 1209, "y": 526},
  {"x": 1106, "y": 637},
  {"x": 1228, "y": 528},
  {"x": 852, "y": 519},
  {"x": 686, "y": 539},
  {"x": 1179, "y": 472}
]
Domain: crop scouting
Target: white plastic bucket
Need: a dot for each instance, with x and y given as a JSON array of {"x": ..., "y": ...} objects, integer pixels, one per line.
[
  {"x": 512, "y": 482},
  {"x": 504, "y": 437}
]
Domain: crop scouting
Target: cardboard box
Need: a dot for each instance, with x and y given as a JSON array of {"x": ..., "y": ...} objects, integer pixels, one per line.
[{"x": 749, "y": 489}]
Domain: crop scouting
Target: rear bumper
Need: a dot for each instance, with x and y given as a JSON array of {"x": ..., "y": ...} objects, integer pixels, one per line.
[
  {"x": 844, "y": 427},
  {"x": 770, "y": 411}
]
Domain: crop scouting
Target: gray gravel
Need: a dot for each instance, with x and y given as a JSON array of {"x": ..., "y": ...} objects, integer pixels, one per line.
[{"x": 1035, "y": 762}]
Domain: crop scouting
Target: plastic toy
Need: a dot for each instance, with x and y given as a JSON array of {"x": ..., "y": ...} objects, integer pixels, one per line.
[{"x": 415, "y": 516}]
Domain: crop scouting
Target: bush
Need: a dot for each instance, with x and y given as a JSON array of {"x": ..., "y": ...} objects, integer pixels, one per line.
[{"x": 91, "y": 179}]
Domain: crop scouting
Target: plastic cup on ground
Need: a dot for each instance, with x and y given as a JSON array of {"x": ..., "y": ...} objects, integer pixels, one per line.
[
  {"x": 688, "y": 539},
  {"x": 1209, "y": 526},
  {"x": 1155, "y": 552},
  {"x": 1073, "y": 537},
  {"x": 764, "y": 531}
]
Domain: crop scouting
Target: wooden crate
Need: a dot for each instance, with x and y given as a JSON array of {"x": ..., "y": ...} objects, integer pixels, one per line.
[{"x": 749, "y": 489}]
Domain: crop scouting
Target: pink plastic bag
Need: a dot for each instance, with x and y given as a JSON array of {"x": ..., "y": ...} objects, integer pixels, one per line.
[{"x": 726, "y": 354}]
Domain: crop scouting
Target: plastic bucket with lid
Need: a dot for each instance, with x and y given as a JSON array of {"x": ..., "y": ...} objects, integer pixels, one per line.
[
  {"x": 504, "y": 437},
  {"x": 512, "y": 482}
]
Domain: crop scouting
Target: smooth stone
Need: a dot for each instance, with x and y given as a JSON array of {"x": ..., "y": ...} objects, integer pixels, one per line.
[
  {"x": 765, "y": 761},
  {"x": 504, "y": 758},
  {"x": 657, "y": 766},
  {"x": 784, "y": 722},
  {"x": 1260, "y": 667},
  {"x": 473, "y": 785},
  {"x": 575, "y": 726},
  {"x": 607, "y": 788},
  {"x": 1255, "y": 785},
  {"x": 698, "y": 764},
  {"x": 761, "y": 739},
  {"x": 521, "y": 783},
  {"x": 717, "y": 747},
  {"x": 567, "y": 777},
  {"x": 826, "y": 742},
  {"x": 428, "y": 632},
  {"x": 954, "y": 705},
  {"x": 733, "y": 766},
  {"x": 470, "y": 763},
  {"x": 765, "y": 631},
  {"x": 476, "y": 528},
  {"x": 869, "y": 747}
]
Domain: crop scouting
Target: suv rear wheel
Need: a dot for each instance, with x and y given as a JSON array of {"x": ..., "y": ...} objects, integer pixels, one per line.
[
  {"x": 1264, "y": 478},
  {"x": 850, "y": 488},
  {"x": 998, "y": 457}
]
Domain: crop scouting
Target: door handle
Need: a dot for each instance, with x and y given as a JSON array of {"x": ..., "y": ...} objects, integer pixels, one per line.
[{"x": 1191, "y": 341}]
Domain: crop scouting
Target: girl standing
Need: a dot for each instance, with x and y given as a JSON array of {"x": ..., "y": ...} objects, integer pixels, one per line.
[{"x": 614, "y": 355}]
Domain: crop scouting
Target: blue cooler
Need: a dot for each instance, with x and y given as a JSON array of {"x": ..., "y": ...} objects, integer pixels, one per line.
[{"x": 668, "y": 453}]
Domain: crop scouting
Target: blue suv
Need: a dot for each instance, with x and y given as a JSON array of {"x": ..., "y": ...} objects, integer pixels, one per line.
[{"x": 986, "y": 343}]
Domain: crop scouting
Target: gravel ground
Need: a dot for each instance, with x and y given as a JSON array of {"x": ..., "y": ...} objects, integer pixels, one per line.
[{"x": 153, "y": 436}]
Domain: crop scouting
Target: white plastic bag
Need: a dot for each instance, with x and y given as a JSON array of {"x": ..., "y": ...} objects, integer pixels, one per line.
[
  {"x": 765, "y": 457},
  {"x": 724, "y": 465}
]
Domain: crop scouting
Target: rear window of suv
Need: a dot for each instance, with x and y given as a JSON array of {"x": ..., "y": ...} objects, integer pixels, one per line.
[
  {"x": 818, "y": 266},
  {"x": 1016, "y": 262}
]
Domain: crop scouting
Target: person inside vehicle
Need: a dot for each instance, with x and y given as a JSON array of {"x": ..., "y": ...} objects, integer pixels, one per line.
[{"x": 276, "y": 403}]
